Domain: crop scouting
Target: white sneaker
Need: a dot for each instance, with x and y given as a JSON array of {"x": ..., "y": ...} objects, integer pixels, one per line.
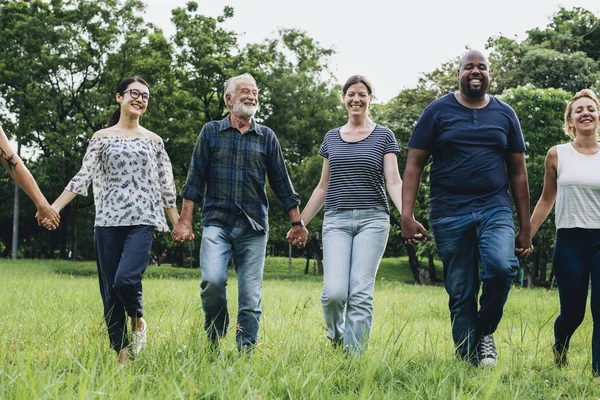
[
  {"x": 487, "y": 352},
  {"x": 138, "y": 340}
]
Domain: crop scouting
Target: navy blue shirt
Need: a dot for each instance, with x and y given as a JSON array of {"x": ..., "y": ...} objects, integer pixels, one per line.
[
  {"x": 469, "y": 148},
  {"x": 233, "y": 167}
]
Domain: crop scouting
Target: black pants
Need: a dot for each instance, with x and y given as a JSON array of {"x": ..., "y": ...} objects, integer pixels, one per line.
[
  {"x": 122, "y": 254},
  {"x": 576, "y": 261}
]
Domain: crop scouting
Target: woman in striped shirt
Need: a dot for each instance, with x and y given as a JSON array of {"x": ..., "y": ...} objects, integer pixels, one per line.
[{"x": 358, "y": 158}]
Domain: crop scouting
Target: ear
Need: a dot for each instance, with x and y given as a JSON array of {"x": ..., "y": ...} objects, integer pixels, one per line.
[
  {"x": 119, "y": 98},
  {"x": 342, "y": 96}
]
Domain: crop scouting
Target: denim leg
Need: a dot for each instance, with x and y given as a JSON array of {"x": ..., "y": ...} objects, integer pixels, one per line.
[
  {"x": 337, "y": 253},
  {"x": 108, "y": 243},
  {"x": 137, "y": 244},
  {"x": 499, "y": 265},
  {"x": 595, "y": 300},
  {"x": 215, "y": 252},
  {"x": 456, "y": 241},
  {"x": 249, "y": 249},
  {"x": 572, "y": 273},
  {"x": 367, "y": 249}
]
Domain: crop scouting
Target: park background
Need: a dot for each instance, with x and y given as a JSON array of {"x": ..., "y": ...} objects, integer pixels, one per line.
[{"x": 60, "y": 62}]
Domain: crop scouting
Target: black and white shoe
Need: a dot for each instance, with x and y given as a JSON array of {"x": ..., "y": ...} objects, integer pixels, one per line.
[{"x": 488, "y": 357}]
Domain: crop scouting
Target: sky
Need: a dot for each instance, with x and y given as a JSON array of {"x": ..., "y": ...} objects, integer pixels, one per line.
[{"x": 390, "y": 42}]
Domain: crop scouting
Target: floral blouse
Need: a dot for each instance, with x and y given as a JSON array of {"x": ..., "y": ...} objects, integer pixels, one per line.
[{"x": 132, "y": 181}]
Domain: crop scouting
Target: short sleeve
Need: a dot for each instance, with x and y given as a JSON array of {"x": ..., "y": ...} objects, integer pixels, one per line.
[
  {"x": 516, "y": 142},
  {"x": 424, "y": 134},
  {"x": 324, "y": 150},
  {"x": 89, "y": 168},
  {"x": 165, "y": 176},
  {"x": 391, "y": 145}
]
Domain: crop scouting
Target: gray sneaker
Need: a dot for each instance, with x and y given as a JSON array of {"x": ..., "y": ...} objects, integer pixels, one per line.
[
  {"x": 487, "y": 351},
  {"x": 138, "y": 340}
]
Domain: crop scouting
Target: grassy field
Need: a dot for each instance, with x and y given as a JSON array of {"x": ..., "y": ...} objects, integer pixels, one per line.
[{"x": 53, "y": 343}]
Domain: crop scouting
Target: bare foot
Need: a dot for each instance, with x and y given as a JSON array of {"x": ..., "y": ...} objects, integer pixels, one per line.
[{"x": 137, "y": 324}]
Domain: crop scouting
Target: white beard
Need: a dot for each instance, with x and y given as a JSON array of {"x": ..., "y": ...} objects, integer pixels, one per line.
[{"x": 244, "y": 112}]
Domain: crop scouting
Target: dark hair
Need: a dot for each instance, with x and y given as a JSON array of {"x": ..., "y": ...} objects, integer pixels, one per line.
[
  {"x": 114, "y": 119},
  {"x": 354, "y": 79}
]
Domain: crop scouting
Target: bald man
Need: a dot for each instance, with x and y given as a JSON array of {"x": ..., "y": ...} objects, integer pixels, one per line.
[{"x": 478, "y": 154}]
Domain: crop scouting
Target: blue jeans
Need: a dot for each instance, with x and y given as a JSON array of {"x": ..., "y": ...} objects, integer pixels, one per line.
[
  {"x": 122, "y": 254},
  {"x": 463, "y": 242},
  {"x": 248, "y": 248},
  {"x": 576, "y": 260},
  {"x": 353, "y": 244}
]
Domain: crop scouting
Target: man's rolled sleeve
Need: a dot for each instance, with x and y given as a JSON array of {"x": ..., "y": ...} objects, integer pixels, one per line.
[{"x": 196, "y": 177}]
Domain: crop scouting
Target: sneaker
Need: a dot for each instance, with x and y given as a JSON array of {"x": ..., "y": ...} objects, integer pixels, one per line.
[
  {"x": 487, "y": 351},
  {"x": 138, "y": 340},
  {"x": 560, "y": 355}
]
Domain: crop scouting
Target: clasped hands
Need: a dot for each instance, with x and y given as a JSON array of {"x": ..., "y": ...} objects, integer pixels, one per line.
[{"x": 297, "y": 236}]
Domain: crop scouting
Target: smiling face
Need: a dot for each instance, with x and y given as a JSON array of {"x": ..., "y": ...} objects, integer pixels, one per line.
[
  {"x": 584, "y": 116},
  {"x": 474, "y": 75},
  {"x": 357, "y": 99},
  {"x": 244, "y": 102},
  {"x": 131, "y": 106}
]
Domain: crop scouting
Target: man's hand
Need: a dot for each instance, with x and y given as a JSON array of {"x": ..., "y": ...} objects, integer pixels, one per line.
[
  {"x": 182, "y": 232},
  {"x": 523, "y": 246},
  {"x": 412, "y": 231},
  {"x": 297, "y": 236}
]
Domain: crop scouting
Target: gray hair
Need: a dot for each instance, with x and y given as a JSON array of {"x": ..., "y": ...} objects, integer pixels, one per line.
[{"x": 231, "y": 84}]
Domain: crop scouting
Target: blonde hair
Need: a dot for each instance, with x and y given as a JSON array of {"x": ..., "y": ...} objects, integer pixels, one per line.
[{"x": 570, "y": 130}]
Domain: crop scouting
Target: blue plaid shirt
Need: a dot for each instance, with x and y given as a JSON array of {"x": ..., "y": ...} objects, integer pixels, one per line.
[{"x": 233, "y": 168}]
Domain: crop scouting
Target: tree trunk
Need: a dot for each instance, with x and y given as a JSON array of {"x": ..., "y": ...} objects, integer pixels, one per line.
[
  {"x": 528, "y": 274},
  {"x": 15, "y": 232},
  {"x": 543, "y": 269},
  {"x": 421, "y": 276},
  {"x": 432, "y": 271}
]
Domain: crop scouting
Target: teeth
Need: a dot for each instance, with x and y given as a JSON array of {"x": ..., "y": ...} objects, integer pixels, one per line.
[{"x": 356, "y": 107}]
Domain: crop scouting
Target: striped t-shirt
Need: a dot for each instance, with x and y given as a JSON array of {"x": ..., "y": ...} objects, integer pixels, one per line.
[{"x": 356, "y": 178}]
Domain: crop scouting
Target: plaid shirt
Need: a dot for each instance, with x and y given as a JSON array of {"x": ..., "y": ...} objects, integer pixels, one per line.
[{"x": 233, "y": 168}]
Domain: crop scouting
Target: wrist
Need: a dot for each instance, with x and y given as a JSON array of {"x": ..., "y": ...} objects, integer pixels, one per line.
[{"x": 299, "y": 222}]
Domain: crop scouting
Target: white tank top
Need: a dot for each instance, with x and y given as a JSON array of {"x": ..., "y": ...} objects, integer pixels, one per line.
[{"x": 578, "y": 185}]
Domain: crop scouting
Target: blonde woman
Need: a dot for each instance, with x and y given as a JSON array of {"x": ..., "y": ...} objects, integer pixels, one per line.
[{"x": 572, "y": 181}]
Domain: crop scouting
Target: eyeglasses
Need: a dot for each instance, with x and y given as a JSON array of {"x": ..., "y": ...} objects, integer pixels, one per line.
[{"x": 135, "y": 94}]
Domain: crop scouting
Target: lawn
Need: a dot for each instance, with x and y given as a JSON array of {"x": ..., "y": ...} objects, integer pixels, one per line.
[{"x": 53, "y": 342}]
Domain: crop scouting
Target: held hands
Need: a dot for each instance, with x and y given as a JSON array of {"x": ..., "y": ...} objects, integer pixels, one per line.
[
  {"x": 297, "y": 236},
  {"x": 523, "y": 245},
  {"x": 48, "y": 217},
  {"x": 412, "y": 231},
  {"x": 182, "y": 232}
]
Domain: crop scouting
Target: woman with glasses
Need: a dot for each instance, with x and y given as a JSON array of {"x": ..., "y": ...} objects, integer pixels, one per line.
[{"x": 133, "y": 181}]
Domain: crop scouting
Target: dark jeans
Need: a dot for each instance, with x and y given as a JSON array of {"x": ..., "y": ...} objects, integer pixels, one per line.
[
  {"x": 576, "y": 260},
  {"x": 463, "y": 242},
  {"x": 122, "y": 254}
]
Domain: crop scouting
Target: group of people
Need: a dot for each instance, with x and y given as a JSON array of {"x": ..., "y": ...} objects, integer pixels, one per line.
[{"x": 477, "y": 151}]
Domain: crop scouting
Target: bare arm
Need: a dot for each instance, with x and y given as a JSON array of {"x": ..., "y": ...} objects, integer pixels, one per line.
[
  {"x": 22, "y": 177},
  {"x": 548, "y": 197},
  {"x": 412, "y": 231},
  {"x": 317, "y": 199},
  {"x": 517, "y": 176},
  {"x": 393, "y": 182},
  {"x": 173, "y": 215}
]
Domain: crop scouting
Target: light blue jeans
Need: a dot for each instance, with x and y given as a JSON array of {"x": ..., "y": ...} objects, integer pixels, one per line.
[
  {"x": 247, "y": 247},
  {"x": 353, "y": 244}
]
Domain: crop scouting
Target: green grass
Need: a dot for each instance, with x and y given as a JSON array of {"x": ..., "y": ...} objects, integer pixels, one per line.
[{"x": 53, "y": 343}]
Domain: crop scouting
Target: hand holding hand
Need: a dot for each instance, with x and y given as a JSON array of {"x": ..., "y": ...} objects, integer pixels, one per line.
[
  {"x": 412, "y": 231},
  {"x": 48, "y": 217},
  {"x": 182, "y": 232},
  {"x": 523, "y": 245},
  {"x": 297, "y": 236}
]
